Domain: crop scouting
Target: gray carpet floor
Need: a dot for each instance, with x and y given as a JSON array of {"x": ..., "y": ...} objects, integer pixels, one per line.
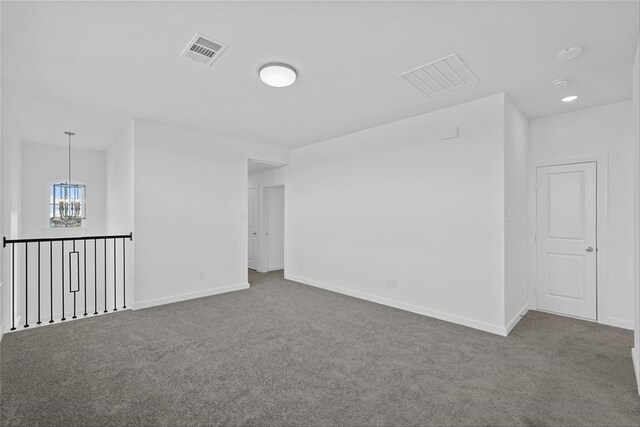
[{"x": 283, "y": 353}]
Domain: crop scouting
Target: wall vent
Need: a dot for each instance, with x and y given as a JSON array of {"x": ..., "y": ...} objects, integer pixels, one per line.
[
  {"x": 204, "y": 49},
  {"x": 439, "y": 76}
]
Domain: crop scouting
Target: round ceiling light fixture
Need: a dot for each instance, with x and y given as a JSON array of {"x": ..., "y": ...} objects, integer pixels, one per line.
[
  {"x": 569, "y": 98},
  {"x": 277, "y": 74}
]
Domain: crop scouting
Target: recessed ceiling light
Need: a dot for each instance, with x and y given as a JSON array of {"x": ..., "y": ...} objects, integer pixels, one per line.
[
  {"x": 570, "y": 98},
  {"x": 278, "y": 75}
]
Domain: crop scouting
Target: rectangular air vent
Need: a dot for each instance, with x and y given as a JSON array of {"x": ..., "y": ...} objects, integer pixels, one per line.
[
  {"x": 439, "y": 76},
  {"x": 203, "y": 49}
]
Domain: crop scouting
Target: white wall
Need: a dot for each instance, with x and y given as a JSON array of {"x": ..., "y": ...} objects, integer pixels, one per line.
[
  {"x": 636, "y": 197},
  {"x": 190, "y": 192},
  {"x": 516, "y": 213},
  {"x": 2, "y": 310},
  {"x": 119, "y": 196},
  {"x": 274, "y": 221},
  {"x": 119, "y": 183},
  {"x": 11, "y": 205},
  {"x": 396, "y": 202},
  {"x": 603, "y": 130}
]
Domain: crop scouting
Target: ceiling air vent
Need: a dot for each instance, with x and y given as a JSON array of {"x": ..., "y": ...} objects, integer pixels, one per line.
[
  {"x": 203, "y": 49},
  {"x": 439, "y": 76}
]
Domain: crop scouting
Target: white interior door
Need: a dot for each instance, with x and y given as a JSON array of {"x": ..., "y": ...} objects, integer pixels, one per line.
[
  {"x": 566, "y": 239},
  {"x": 252, "y": 221}
]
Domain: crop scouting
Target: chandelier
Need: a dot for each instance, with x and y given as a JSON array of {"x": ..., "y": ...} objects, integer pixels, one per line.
[{"x": 68, "y": 199}]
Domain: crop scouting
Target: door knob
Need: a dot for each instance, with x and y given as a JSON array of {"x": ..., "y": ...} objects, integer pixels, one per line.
[{"x": 589, "y": 249}]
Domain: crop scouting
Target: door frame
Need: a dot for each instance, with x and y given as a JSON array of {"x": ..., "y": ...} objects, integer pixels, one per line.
[
  {"x": 264, "y": 217},
  {"x": 602, "y": 230},
  {"x": 258, "y": 228}
]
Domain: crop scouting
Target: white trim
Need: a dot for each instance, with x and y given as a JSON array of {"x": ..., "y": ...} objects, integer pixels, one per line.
[
  {"x": 602, "y": 208},
  {"x": 269, "y": 162},
  {"x": 512, "y": 324},
  {"x": 264, "y": 221},
  {"x": 188, "y": 296},
  {"x": 68, "y": 318},
  {"x": 276, "y": 267},
  {"x": 18, "y": 323},
  {"x": 619, "y": 323},
  {"x": 494, "y": 329},
  {"x": 258, "y": 227},
  {"x": 635, "y": 357}
]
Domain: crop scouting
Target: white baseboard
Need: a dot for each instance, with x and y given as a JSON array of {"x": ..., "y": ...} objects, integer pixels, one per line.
[
  {"x": 512, "y": 324},
  {"x": 494, "y": 329},
  {"x": 188, "y": 296},
  {"x": 18, "y": 323},
  {"x": 68, "y": 318},
  {"x": 618, "y": 323},
  {"x": 262, "y": 270},
  {"x": 635, "y": 357}
]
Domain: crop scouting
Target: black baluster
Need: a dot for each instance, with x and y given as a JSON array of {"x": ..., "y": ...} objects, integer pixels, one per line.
[
  {"x": 71, "y": 280},
  {"x": 51, "y": 282},
  {"x": 95, "y": 276},
  {"x": 26, "y": 285},
  {"x": 13, "y": 288},
  {"x": 62, "y": 284},
  {"x": 38, "y": 322},
  {"x": 105, "y": 275},
  {"x": 124, "y": 276},
  {"x": 115, "y": 275},
  {"x": 85, "y": 277}
]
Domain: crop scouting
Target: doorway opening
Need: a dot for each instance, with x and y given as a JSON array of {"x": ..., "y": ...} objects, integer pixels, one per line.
[{"x": 265, "y": 216}]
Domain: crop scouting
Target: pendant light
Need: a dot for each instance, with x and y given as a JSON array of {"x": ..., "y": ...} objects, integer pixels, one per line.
[{"x": 68, "y": 197}]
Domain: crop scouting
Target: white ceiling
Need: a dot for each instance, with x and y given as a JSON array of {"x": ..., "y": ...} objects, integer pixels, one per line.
[{"x": 88, "y": 66}]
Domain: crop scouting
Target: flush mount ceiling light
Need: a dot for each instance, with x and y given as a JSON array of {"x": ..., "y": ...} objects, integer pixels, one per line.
[
  {"x": 569, "y": 98},
  {"x": 277, "y": 74}
]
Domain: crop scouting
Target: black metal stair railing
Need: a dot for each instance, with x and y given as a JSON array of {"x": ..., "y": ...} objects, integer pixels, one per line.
[{"x": 75, "y": 277}]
